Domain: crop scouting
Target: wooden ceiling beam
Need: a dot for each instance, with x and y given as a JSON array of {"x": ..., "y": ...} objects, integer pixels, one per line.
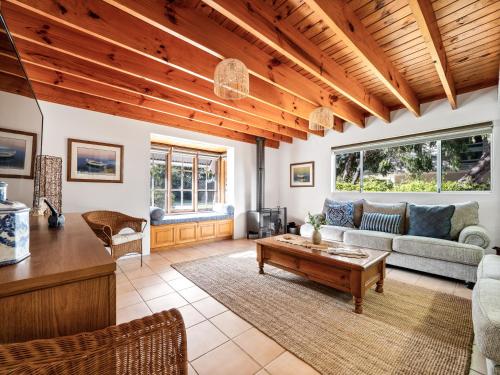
[
  {"x": 426, "y": 20},
  {"x": 107, "y": 23},
  {"x": 50, "y": 43},
  {"x": 261, "y": 20},
  {"x": 63, "y": 96},
  {"x": 338, "y": 124},
  {"x": 179, "y": 17},
  {"x": 342, "y": 20},
  {"x": 74, "y": 83}
]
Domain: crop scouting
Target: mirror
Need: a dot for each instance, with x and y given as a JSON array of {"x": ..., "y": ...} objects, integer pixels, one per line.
[{"x": 21, "y": 123}]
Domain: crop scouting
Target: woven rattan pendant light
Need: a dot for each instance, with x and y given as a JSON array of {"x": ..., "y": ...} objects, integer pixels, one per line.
[
  {"x": 321, "y": 118},
  {"x": 231, "y": 80}
]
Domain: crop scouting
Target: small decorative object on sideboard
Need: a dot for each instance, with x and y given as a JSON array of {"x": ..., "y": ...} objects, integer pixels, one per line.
[
  {"x": 497, "y": 249},
  {"x": 14, "y": 229},
  {"x": 56, "y": 219},
  {"x": 316, "y": 221}
]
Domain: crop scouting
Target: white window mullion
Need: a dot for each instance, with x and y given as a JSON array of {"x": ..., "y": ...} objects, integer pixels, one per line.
[{"x": 439, "y": 167}]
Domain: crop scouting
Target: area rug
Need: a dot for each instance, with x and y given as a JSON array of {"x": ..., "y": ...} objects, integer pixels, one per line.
[{"x": 405, "y": 330}]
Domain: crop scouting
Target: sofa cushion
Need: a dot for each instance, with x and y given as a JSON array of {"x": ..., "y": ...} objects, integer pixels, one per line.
[
  {"x": 381, "y": 222},
  {"x": 358, "y": 209},
  {"x": 387, "y": 208},
  {"x": 489, "y": 268},
  {"x": 340, "y": 214},
  {"x": 122, "y": 238},
  {"x": 430, "y": 221},
  {"x": 328, "y": 232},
  {"x": 370, "y": 239},
  {"x": 193, "y": 217},
  {"x": 156, "y": 213},
  {"x": 486, "y": 317},
  {"x": 466, "y": 214},
  {"x": 435, "y": 248}
]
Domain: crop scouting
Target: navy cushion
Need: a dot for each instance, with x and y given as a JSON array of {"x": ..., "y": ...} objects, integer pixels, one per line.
[
  {"x": 388, "y": 223},
  {"x": 340, "y": 214},
  {"x": 156, "y": 213},
  {"x": 431, "y": 221}
]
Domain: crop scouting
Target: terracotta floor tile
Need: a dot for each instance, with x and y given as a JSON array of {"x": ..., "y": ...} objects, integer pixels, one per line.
[
  {"x": 170, "y": 301},
  {"x": 124, "y": 287},
  {"x": 259, "y": 346},
  {"x": 193, "y": 294},
  {"x": 132, "y": 312},
  {"x": 161, "y": 267},
  {"x": 180, "y": 283},
  {"x": 191, "y": 370},
  {"x": 227, "y": 359},
  {"x": 202, "y": 338},
  {"x": 262, "y": 372},
  {"x": 170, "y": 274},
  {"x": 191, "y": 316},
  {"x": 209, "y": 307},
  {"x": 144, "y": 282},
  {"x": 287, "y": 364},
  {"x": 403, "y": 276},
  {"x": 139, "y": 272},
  {"x": 437, "y": 284},
  {"x": 155, "y": 291},
  {"x": 127, "y": 299},
  {"x": 462, "y": 291},
  {"x": 230, "y": 324}
]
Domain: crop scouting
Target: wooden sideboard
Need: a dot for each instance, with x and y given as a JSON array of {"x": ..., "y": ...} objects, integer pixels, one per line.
[
  {"x": 175, "y": 235},
  {"x": 66, "y": 286}
]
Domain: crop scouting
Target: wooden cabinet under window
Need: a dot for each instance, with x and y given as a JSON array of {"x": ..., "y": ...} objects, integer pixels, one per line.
[{"x": 173, "y": 235}]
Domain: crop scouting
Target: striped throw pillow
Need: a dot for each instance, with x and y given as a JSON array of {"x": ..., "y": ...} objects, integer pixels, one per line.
[{"x": 381, "y": 222}]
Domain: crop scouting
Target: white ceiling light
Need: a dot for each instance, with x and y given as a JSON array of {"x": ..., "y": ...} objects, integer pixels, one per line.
[
  {"x": 231, "y": 80},
  {"x": 321, "y": 118}
]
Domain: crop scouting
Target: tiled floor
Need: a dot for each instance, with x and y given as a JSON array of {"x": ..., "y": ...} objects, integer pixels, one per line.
[{"x": 219, "y": 342}]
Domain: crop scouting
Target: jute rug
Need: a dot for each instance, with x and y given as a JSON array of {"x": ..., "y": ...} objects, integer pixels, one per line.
[{"x": 406, "y": 330}]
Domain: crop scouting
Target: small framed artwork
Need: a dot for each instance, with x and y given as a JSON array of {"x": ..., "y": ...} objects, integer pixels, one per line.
[
  {"x": 302, "y": 174},
  {"x": 90, "y": 161},
  {"x": 17, "y": 153}
]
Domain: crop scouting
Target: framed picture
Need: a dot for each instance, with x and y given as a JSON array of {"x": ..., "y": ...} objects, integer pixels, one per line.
[
  {"x": 302, "y": 174},
  {"x": 94, "y": 161},
  {"x": 17, "y": 153}
]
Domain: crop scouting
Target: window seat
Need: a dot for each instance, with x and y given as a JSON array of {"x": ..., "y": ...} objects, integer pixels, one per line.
[{"x": 191, "y": 217}]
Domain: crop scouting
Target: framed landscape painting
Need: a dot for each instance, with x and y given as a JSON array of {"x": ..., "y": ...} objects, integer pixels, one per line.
[
  {"x": 94, "y": 161},
  {"x": 17, "y": 153},
  {"x": 302, "y": 174}
]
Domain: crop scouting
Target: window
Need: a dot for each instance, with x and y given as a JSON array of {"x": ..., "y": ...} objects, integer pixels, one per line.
[
  {"x": 457, "y": 160},
  {"x": 207, "y": 182},
  {"x": 186, "y": 180}
]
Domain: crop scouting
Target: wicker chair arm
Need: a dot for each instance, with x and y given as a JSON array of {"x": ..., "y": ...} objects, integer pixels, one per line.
[
  {"x": 101, "y": 229},
  {"x": 134, "y": 223},
  {"x": 127, "y": 348}
]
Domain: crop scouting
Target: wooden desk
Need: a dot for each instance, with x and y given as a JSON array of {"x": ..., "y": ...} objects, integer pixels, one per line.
[{"x": 66, "y": 286}]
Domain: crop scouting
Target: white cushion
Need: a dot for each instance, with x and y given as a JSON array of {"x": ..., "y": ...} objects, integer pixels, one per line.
[{"x": 122, "y": 238}]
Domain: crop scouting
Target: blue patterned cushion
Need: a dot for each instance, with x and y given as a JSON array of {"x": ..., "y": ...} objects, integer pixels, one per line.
[
  {"x": 387, "y": 223},
  {"x": 431, "y": 221},
  {"x": 340, "y": 214}
]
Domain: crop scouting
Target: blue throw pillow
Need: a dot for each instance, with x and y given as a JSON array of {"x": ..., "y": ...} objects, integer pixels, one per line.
[
  {"x": 431, "y": 221},
  {"x": 388, "y": 223},
  {"x": 340, "y": 214},
  {"x": 156, "y": 213}
]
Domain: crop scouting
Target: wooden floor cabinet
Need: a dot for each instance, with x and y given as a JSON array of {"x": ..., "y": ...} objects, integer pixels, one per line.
[{"x": 173, "y": 235}]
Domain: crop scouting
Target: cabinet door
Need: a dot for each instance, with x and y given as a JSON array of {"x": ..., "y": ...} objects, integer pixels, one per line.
[
  {"x": 162, "y": 236},
  {"x": 206, "y": 230},
  {"x": 185, "y": 233},
  {"x": 225, "y": 228}
]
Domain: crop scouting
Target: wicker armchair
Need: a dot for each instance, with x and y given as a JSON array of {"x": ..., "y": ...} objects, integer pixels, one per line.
[
  {"x": 152, "y": 345},
  {"x": 107, "y": 226}
]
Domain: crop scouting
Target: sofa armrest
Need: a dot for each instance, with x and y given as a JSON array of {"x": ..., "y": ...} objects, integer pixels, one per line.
[{"x": 475, "y": 235}]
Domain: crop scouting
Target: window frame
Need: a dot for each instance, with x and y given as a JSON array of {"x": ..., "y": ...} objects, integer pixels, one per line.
[
  {"x": 215, "y": 190},
  {"x": 462, "y": 132}
]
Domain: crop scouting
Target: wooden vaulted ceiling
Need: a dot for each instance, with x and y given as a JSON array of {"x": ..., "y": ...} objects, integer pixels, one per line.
[{"x": 154, "y": 60}]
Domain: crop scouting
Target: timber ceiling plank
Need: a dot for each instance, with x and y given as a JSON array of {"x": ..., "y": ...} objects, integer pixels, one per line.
[
  {"x": 49, "y": 41},
  {"x": 261, "y": 20},
  {"x": 105, "y": 22},
  {"x": 343, "y": 21},
  {"x": 60, "y": 95},
  {"x": 178, "y": 17}
]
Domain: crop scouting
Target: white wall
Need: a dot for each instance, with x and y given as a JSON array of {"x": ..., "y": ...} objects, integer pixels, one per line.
[
  {"x": 132, "y": 196},
  {"x": 473, "y": 108}
]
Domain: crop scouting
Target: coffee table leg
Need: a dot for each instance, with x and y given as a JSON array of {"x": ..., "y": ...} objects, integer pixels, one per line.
[
  {"x": 380, "y": 286},
  {"x": 260, "y": 259},
  {"x": 380, "y": 282},
  {"x": 358, "y": 305}
]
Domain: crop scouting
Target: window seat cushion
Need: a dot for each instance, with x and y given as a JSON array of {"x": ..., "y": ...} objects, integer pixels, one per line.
[{"x": 191, "y": 217}]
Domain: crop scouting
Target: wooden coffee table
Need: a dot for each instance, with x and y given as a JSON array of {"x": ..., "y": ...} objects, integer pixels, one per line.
[{"x": 353, "y": 275}]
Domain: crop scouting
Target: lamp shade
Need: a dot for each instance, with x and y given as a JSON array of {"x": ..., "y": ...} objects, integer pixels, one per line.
[
  {"x": 321, "y": 118},
  {"x": 231, "y": 80}
]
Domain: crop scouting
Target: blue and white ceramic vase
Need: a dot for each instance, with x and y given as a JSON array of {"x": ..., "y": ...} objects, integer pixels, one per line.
[
  {"x": 14, "y": 230},
  {"x": 3, "y": 191}
]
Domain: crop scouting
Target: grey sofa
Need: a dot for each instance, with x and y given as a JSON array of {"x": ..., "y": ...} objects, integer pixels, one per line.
[
  {"x": 486, "y": 311},
  {"x": 457, "y": 259}
]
